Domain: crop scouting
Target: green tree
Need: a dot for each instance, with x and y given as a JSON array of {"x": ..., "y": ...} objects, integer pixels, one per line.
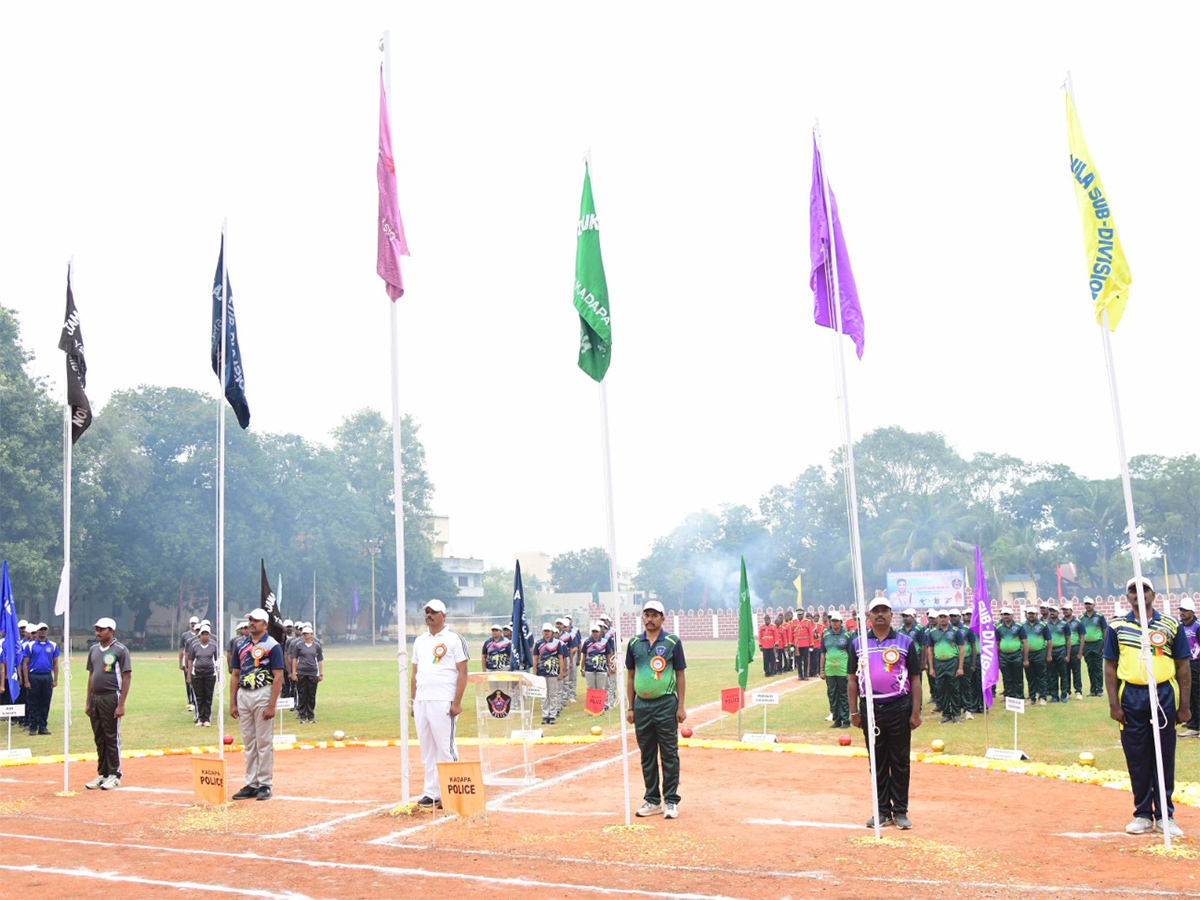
[{"x": 578, "y": 570}]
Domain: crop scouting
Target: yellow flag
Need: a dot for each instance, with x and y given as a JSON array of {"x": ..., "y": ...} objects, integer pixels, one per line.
[
  {"x": 1108, "y": 272},
  {"x": 799, "y": 592}
]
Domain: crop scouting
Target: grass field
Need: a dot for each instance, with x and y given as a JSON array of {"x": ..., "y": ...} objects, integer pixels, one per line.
[{"x": 360, "y": 695}]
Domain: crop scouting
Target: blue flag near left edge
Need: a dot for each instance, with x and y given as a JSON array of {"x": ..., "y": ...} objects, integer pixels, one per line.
[
  {"x": 13, "y": 653},
  {"x": 234, "y": 378},
  {"x": 522, "y": 651}
]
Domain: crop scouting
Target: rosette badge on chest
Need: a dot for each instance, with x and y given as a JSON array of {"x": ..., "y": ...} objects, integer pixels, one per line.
[
  {"x": 891, "y": 656},
  {"x": 658, "y": 662},
  {"x": 438, "y": 652}
]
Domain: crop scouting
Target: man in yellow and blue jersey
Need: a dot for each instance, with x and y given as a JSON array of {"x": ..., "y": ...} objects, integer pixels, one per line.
[{"x": 1127, "y": 682}]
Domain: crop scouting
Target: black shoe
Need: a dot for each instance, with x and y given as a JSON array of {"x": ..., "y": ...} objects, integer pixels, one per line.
[
  {"x": 884, "y": 821},
  {"x": 552, "y": 721},
  {"x": 264, "y": 793},
  {"x": 246, "y": 793},
  {"x": 438, "y": 804},
  {"x": 43, "y": 731},
  {"x": 426, "y": 803},
  {"x": 33, "y": 731},
  {"x": 836, "y": 725}
]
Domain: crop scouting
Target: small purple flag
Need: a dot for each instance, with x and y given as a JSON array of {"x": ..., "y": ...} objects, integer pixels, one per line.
[
  {"x": 822, "y": 272},
  {"x": 356, "y": 601},
  {"x": 392, "y": 244},
  {"x": 985, "y": 628}
]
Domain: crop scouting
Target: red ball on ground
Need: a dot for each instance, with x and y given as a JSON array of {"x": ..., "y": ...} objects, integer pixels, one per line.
[
  {"x": 685, "y": 732},
  {"x": 844, "y": 740},
  {"x": 229, "y": 739}
]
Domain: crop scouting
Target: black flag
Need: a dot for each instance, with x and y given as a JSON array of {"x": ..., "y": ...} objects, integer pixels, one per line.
[
  {"x": 71, "y": 342},
  {"x": 271, "y": 605},
  {"x": 522, "y": 639},
  {"x": 235, "y": 376}
]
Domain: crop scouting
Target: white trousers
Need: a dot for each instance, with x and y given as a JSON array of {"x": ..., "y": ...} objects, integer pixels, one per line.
[{"x": 435, "y": 732}]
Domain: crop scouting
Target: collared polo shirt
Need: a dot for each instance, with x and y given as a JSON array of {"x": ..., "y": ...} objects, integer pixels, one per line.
[{"x": 654, "y": 664}]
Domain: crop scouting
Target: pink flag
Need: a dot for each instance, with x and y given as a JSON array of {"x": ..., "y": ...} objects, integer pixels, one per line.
[{"x": 392, "y": 244}]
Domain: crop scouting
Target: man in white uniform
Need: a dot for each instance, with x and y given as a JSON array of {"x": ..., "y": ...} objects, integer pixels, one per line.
[{"x": 439, "y": 678}]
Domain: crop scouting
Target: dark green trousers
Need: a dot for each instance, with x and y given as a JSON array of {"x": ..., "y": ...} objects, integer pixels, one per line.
[
  {"x": 658, "y": 736},
  {"x": 1076, "y": 666},
  {"x": 839, "y": 701},
  {"x": 1058, "y": 677},
  {"x": 1012, "y": 674},
  {"x": 1036, "y": 676},
  {"x": 1093, "y": 655},
  {"x": 946, "y": 682}
]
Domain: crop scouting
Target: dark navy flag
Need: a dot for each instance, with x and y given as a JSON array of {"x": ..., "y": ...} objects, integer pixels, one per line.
[
  {"x": 12, "y": 640},
  {"x": 271, "y": 605},
  {"x": 71, "y": 343},
  {"x": 234, "y": 378},
  {"x": 522, "y": 639}
]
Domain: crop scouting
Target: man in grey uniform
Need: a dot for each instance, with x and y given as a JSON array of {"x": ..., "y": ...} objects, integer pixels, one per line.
[
  {"x": 109, "y": 682},
  {"x": 257, "y": 678}
]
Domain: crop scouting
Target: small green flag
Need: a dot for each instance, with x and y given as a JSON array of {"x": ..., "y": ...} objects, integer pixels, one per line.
[
  {"x": 745, "y": 643},
  {"x": 591, "y": 290}
]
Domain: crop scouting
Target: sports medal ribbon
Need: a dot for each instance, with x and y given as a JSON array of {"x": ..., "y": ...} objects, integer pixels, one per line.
[
  {"x": 1158, "y": 642},
  {"x": 438, "y": 652},
  {"x": 891, "y": 656},
  {"x": 257, "y": 655},
  {"x": 659, "y": 665}
]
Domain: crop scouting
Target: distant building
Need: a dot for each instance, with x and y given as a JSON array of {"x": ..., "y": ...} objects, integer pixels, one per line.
[
  {"x": 535, "y": 563},
  {"x": 466, "y": 571}
]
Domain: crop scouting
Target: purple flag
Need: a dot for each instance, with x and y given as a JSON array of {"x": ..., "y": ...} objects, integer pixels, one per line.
[
  {"x": 356, "y": 601},
  {"x": 985, "y": 628},
  {"x": 822, "y": 272},
  {"x": 392, "y": 244}
]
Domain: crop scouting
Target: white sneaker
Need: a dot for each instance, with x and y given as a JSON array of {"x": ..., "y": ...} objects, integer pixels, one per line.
[
  {"x": 95, "y": 783},
  {"x": 1139, "y": 826},
  {"x": 672, "y": 812},
  {"x": 110, "y": 783},
  {"x": 967, "y": 715},
  {"x": 1174, "y": 829},
  {"x": 829, "y": 718},
  {"x": 1189, "y": 733},
  {"x": 1078, "y": 695},
  {"x": 653, "y": 809},
  {"x": 1042, "y": 702}
]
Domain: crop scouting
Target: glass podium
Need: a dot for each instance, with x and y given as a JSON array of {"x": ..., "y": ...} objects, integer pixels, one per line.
[{"x": 504, "y": 712}]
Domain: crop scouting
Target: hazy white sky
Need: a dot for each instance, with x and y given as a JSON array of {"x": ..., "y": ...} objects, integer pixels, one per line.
[{"x": 130, "y": 132}]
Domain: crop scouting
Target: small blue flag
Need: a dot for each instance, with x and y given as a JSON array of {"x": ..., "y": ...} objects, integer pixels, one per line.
[
  {"x": 13, "y": 653},
  {"x": 522, "y": 651},
  {"x": 234, "y": 378}
]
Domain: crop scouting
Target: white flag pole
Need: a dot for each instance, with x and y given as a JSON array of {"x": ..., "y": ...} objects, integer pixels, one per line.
[
  {"x": 398, "y": 486},
  {"x": 65, "y": 583},
  {"x": 610, "y": 515},
  {"x": 1135, "y": 553},
  {"x": 851, "y": 488},
  {"x": 222, "y": 363}
]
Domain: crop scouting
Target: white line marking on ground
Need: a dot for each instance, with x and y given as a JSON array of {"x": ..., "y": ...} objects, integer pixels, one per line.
[
  {"x": 1098, "y": 834},
  {"x": 1014, "y": 888},
  {"x": 802, "y": 824},
  {"x": 560, "y": 888},
  {"x": 321, "y": 826},
  {"x": 405, "y": 832},
  {"x": 146, "y": 790},
  {"x": 612, "y": 814},
  {"x": 93, "y": 875}
]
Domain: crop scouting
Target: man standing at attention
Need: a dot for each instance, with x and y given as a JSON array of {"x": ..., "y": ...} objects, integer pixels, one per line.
[
  {"x": 41, "y": 677},
  {"x": 308, "y": 671},
  {"x": 1094, "y": 626},
  {"x": 1061, "y": 647},
  {"x": 1014, "y": 653},
  {"x": 1037, "y": 660},
  {"x": 189, "y": 637},
  {"x": 1128, "y": 685},
  {"x": 656, "y": 684},
  {"x": 1191, "y": 629},
  {"x": 439, "y": 678},
  {"x": 109, "y": 681},
  {"x": 893, "y": 663},
  {"x": 945, "y": 649},
  {"x": 803, "y": 630},
  {"x": 767, "y": 635},
  {"x": 834, "y": 646},
  {"x": 497, "y": 652},
  {"x": 257, "y": 678}
]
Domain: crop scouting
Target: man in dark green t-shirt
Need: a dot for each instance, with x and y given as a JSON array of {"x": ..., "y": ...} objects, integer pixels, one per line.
[
  {"x": 1062, "y": 646},
  {"x": 1094, "y": 626},
  {"x": 1010, "y": 641},
  {"x": 656, "y": 684},
  {"x": 945, "y": 648},
  {"x": 1037, "y": 659},
  {"x": 835, "y": 645}
]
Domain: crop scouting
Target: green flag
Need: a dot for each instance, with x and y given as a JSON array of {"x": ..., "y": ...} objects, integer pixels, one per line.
[
  {"x": 745, "y": 643},
  {"x": 591, "y": 290}
]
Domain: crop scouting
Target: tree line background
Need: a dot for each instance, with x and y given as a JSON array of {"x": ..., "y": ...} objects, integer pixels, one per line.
[
  {"x": 144, "y": 515},
  {"x": 144, "y": 505}
]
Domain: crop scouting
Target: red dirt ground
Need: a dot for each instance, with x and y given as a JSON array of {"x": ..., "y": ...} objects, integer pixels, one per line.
[{"x": 977, "y": 833}]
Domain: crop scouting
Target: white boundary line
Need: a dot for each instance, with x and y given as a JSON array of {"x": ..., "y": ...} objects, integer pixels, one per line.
[
  {"x": 321, "y": 826},
  {"x": 93, "y": 875},
  {"x": 146, "y": 790},
  {"x": 561, "y": 888},
  {"x": 801, "y": 824}
]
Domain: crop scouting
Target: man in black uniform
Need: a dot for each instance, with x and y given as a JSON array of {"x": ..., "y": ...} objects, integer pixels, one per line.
[{"x": 186, "y": 640}]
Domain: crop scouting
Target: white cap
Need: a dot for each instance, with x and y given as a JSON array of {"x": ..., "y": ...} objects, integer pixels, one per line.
[
  {"x": 560, "y": 621},
  {"x": 570, "y": 621},
  {"x": 259, "y": 614},
  {"x": 654, "y": 605},
  {"x": 495, "y": 628},
  {"x": 1068, "y": 606},
  {"x": 287, "y": 622},
  {"x": 1006, "y": 609},
  {"x": 834, "y": 614},
  {"x": 105, "y": 622},
  {"x": 879, "y": 601},
  {"x": 1088, "y": 601},
  {"x": 193, "y": 620},
  {"x": 1146, "y": 581},
  {"x": 942, "y": 612},
  {"x": 22, "y": 624},
  {"x": 41, "y": 625},
  {"x": 547, "y": 626},
  {"x": 307, "y": 629},
  {"x": 954, "y": 612},
  {"x": 1187, "y": 603},
  {"x": 909, "y": 612},
  {"x": 204, "y": 628},
  {"x": 606, "y": 618},
  {"x": 597, "y": 626},
  {"x": 436, "y": 605}
]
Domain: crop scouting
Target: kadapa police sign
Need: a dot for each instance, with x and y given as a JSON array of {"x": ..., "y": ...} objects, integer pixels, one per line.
[
  {"x": 208, "y": 780},
  {"x": 462, "y": 787}
]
